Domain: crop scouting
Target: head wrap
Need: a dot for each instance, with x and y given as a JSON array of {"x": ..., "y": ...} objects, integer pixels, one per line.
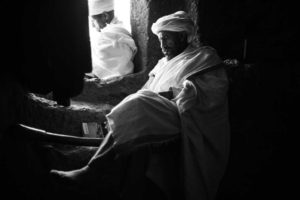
[
  {"x": 176, "y": 22},
  {"x": 97, "y": 7}
]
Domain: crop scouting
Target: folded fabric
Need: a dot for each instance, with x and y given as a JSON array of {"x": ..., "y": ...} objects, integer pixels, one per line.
[{"x": 143, "y": 117}]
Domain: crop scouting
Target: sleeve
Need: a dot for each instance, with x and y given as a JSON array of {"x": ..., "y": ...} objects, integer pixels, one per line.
[
  {"x": 205, "y": 133},
  {"x": 212, "y": 89},
  {"x": 207, "y": 90}
]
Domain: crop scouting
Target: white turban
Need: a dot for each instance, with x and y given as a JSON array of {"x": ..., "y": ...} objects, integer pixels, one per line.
[
  {"x": 97, "y": 7},
  {"x": 176, "y": 22}
]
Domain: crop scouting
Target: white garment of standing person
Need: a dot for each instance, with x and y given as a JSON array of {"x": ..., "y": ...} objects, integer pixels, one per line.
[{"x": 113, "y": 50}]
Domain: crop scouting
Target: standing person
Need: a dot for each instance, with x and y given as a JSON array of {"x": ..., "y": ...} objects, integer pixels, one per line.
[
  {"x": 113, "y": 48},
  {"x": 184, "y": 99}
]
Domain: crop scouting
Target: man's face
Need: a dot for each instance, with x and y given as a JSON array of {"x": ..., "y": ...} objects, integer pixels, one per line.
[
  {"x": 99, "y": 21},
  {"x": 172, "y": 43}
]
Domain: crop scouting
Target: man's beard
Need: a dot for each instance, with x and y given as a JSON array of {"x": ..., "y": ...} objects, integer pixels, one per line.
[{"x": 169, "y": 53}]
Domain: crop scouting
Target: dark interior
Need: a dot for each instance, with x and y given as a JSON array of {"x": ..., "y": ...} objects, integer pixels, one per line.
[{"x": 55, "y": 55}]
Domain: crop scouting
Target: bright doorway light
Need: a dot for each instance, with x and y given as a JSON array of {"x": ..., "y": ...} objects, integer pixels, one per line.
[{"x": 122, "y": 12}]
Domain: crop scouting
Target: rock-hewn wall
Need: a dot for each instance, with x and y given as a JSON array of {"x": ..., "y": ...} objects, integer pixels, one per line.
[
  {"x": 191, "y": 7},
  {"x": 47, "y": 115},
  {"x": 139, "y": 25}
]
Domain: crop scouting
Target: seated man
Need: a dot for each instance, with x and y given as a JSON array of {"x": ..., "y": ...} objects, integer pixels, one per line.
[
  {"x": 185, "y": 97},
  {"x": 113, "y": 48}
]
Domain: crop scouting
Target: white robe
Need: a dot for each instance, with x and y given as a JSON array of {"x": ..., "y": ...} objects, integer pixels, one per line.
[
  {"x": 113, "y": 50},
  {"x": 198, "y": 114}
]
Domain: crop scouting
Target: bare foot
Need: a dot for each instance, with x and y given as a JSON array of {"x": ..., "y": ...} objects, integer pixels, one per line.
[
  {"x": 85, "y": 180},
  {"x": 76, "y": 179}
]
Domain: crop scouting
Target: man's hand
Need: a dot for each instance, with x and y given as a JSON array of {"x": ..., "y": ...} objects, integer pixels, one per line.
[{"x": 90, "y": 76}]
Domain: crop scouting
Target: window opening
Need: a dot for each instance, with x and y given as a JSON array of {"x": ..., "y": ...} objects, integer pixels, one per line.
[{"x": 122, "y": 13}]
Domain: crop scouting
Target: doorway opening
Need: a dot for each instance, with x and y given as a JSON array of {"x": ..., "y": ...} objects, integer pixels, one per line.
[
  {"x": 112, "y": 47},
  {"x": 122, "y": 12}
]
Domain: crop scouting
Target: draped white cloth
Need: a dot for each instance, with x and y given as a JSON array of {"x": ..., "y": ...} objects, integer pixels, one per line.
[
  {"x": 143, "y": 117},
  {"x": 113, "y": 50},
  {"x": 199, "y": 113},
  {"x": 173, "y": 73}
]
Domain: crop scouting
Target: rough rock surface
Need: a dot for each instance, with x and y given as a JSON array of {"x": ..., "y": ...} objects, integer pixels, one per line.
[{"x": 45, "y": 114}]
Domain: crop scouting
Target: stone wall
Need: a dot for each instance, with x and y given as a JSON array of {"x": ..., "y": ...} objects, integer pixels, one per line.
[
  {"x": 45, "y": 114},
  {"x": 139, "y": 26}
]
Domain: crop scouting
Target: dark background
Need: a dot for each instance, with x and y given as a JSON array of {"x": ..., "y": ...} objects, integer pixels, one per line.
[{"x": 46, "y": 48}]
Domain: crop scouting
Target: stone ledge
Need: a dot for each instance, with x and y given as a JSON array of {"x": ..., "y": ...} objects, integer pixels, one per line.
[
  {"x": 112, "y": 91},
  {"x": 47, "y": 115},
  {"x": 95, "y": 101}
]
